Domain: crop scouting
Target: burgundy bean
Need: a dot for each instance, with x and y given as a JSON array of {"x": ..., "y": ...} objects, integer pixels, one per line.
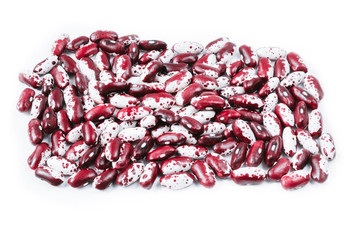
[
  {"x": 301, "y": 115},
  {"x": 61, "y": 77},
  {"x": 282, "y": 68},
  {"x": 149, "y": 56},
  {"x": 133, "y": 53},
  {"x": 82, "y": 178},
  {"x": 273, "y": 150},
  {"x": 129, "y": 39},
  {"x": 250, "y": 57},
  {"x": 112, "y": 149},
  {"x": 302, "y": 95},
  {"x": 56, "y": 99},
  {"x": 25, "y": 100},
  {"x": 76, "y": 43},
  {"x": 253, "y": 84},
  {"x": 90, "y": 133},
  {"x": 68, "y": 64},
  {"x": 166, "y": 116},
  {"x": 243, "y": 132},
  {"x": 300, "y": 159},
  {"x": 49, "y": 175},
  {"x": 227, "y": 116},
  {"x": 208, "y": 102},
  {"x": 104, "y": 179},
  {"x": 138, "y": 90},
  {"x": 189, "y": 58},
  {"x": 88, "y": 67},
  {"x": 100, "y": 112},
  {"x": 296, "y": 179},
  {"x": 161, "y": 153},
  {"x": 149, "y": 175},
  {"x": 256, "y": 154},
  {"x": 81, "y": 83},
  {"x": 172, "y": 67},
  {"x": 234, "y": 66},
  {"x": 39, "y": 156},
  {"x": 210, "y": 139},
  {"x": 249, "y": 115},
  {"x": 246, "y": 101},
  {"x": 239, "y": 156},
  {"x": 142, "y": 148},
  {"x": 49, "y": 120},
  {"x": 38, "y": 106},
  {"x": 192, "y": 125},
  {"x": 63, "y": 121},
  {"x": 296, "y": 63},
  {"x": 87, "y": 50},
  {"x": 74, "y": 107},
  {"x": 89, "y": 156},
  {"x": 58, "y": 143},
  {"x": 248, "y": 175},
  {"x": 60, "y": 44},
  {"x": 285, "y": 97},
  {"x": 204, "y": 173},
  {"x": 218, "y": 164},
  {"x": 171, "y": 138},
  {"x": 226, "y": 52},
  {"x": 101, "y": 162},
  {"x": 126, "y": 151},
  {"x": 106, "y": 88},
  {"x": 319, "y": 168},
  {"x": 184, "y": 97},
  {"x": 149, "y": 45},
  {"x": 158, "y": 100},
  {"x": 225, "y": 147},
  {"x": 30, "y": 78},
  {"x": 102, "y": 61},
  {"x": 103, "y": 34},
  {"x": 151, "y": 70},
  {"x": 47, "y": 84},
  {"x": 265, "y": 68},
  {"x": 111, "y": 46},
  {"x": 280, "y": 169},
  {"x": 259, "y": 131}
]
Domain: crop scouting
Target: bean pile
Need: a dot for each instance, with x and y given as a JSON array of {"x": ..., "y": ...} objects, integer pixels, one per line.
[{"x": 121, "y": 109}]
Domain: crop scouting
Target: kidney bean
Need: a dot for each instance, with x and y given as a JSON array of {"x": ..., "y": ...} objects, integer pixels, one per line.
[
  {"x": 126, "y": 150},
  {"x": 206, "y": 70},
  {"x": 25, "y": 100},
  {"x": 273, "y": 53},
  {"x": 110, "y": 131},
  {"x": 243, "y": 132},
  {"x": 49, "y": 121},
  {"x": 289, "y": 141},
  {"x": 256, "y": 154},
  {"x": 192, "y": 125},
  {"x": 82, "y": 178},
  {"x": 46, "y": 65},
  {"x": 111, "y": 46},
  {"x": 270, "y": 103},
  {"x": 208, "y": 102},
  {"x": 149, "y": 45},
  {"x": 112, "y": 149},
  {"x": 301, "y": 115},
  {"x": 265, "y": 68},
  {"x": 272, "y": 123},
  {"x": 177, "y": 181},
  {"x": 296, "y": 179},
  {"x": 161, "y": 153},
  {"x": 87, "y": 50},
  {"x": 100, "y": 112},
  {"x": 227, "y": 116},
  {"x": 192, "y": 151},
  {"x": 188, "y": 47},
  {"x": 76, "y": 43},
  {"x": 171, "y": 138},
  {"x": 269, "y": 86},
  {"x": 248, "y": 175},
  {"x": 184, "y": 96},
  {"x": 250, "y": 57},
  {"x": 293, "y": 79},
  {"x": 58, "y": 143},
  {"x": 233, "y": 66},
  {"x": 296, "y": 63},
  {"x": 319, "y": 168},
  {"x": 225, "y": 53},
  {"x": 104, "y": 179},
  {"x": 132, "y": 134},
  {"x": 204, "y": 173},
  {"x": 225, "y": 147},
  {"x": 302, "y": 95},
  {"x": 101, "y": 162},
  {"x": 47, "y": 84},
  {"x": 210, "y": 139},
  {"x": 49, "y": 175},
  {"x": 246, "y": 101},
  {"x": 159, "y": 129},
  {"x": 259, "y": 131},
  {"x": 315, "y": 123},
  {"x": 103, "y": 34},
  {"x": 81, "y": 83},
  {"x": 129, "y": 39},
  {"x": 148, "y": 176},
  {"x": 38, "y": 106},
  {"x": 142, "y": 148},
  {"x": 130, "y": 174},
  {"x": 62, "y": 165},
  {"x": 90, "y": 133},
  {"x": 166, "y": 116},
  {"x": 89, "y": 69},
  {"x": 280, "y": 169},
  {"x": 208, "y": 82},
  {"x": 327, "y": 146},
  {"x": 307, "y": 141},
  {"x": 190, "y": 138},
  {"x": 61, "y": 77},
  {"x": 102, "y": 61},
  {"x": 282, "y": 68},
  {"x": 60, "y": 44},
  {"x": 249, "y": 115},
  {"x": 106, "y": 88},
  {"x": 239, "y": 156},
  {"x": 56, "y": 99},
  {"x": 300, "y": 159},
  {"x": 176, "y": 165},
  {"x": 178, "y": 82},
  {"x": 252, "y": 84},
  {"x": 68, "y": 64},
  {"x": 89, "y": 156},
  {"x": 166, "y": 56},
  {"x": 228, "y": 132},
  {"x": 76, "y": 150},
  {"x": 75, "y": 134},
  {"x": 285, "y": 115},
  {"x": 216, "y": 45},
  {"x": 158, "y": 100},
  {"x": 148, "y": 122},
  {"x": 313, "y": 87},
  {"x": 122, "y": 66},
  {"x": 285, "y": 97},
  {"x": 203, "y": 116},
  {"x": 39, "y": 156},
  {"x": 273, "y": 150},
  {"x": 30, "y": 78},
  {"x": 218, "y": 164},
  {"x": 133, "y": 52},
  {"x": 189, "y": 58},
  {"x": 63, "y": 121}
]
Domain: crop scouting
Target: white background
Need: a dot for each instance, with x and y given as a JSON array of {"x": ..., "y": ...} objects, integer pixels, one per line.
[{"x": 324, "y": 33}]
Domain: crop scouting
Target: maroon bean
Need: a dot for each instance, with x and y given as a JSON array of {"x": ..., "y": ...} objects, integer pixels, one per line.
[
  {"x": 112, "y": 149},
  {"x": 90, "y": 133},
  {"x": 246, "y": 101},
  {"x": 171, "y": 67},
  {"x": 204, "y": 70},
  {"x": 208, "y": 102},
  {"x": 130, "y": 174},
  {"x": 138, "y": 90},
  {"x": 35, "y": 131},
  {"x": 103, "y": 34},
  {"x": 58, "y": 143},
  {"x": 171, "y": 138},
  {"x": 313, "y": 86},
  {"x": 302, "y": 95},
  {"x": 273, "y": 150},
  {"x": 161, "y": 153},
  {"x": 104, "y": 179},
  {"x": 63, "y": 121},
  {"x": 89, "y": 156},
  {"x": 111, "y": 46},
  {"x": 133, "y": 53},
  {"x": 250, "y": 57},
  {"x": 265, "y": 68},
  {"x": 253, "y": 84},
  {"x": 259, "y": 131},
  {"x": 282, "y": 68},
  {"x": 142, "y": 148},
  {"x": 76, "y": 150},
  {"x": 49, "y": 175},
  {"x": 248, "y": 175},
  {"x": 126, "y": 151},
  {"x": 106, "y": 88},
  {"x": 280, "y": 169},
  {"x": 47, "y": 84},
  {"x": 81, "y": 83},
  {"x": 101, "y": 162},
  {"x": 239, "y": 156},
  {"x": 88, "y": 67},
  {"x": 87, "y": 50},
  {"x": 30, "y": 78},
  {"x": 184, "y": 97},
  {"x": 39, "y": 156},
  {"x": 60, "y": 44},
  {"x": 38, "y": 106},
  {"x": 210, "y": 139},
  {"x": 219, "y": 164},
  {"x": 285, "y": 97},
  {"x": 61, "y": 77},
  {"x": 225, "y": 147},
  {"x": 301, "y": 115},
  {"x": 192, "y": 125},
  {"x": 243, "y": 132},
  {"x": 25, "y": 100},
  {"x": 249, "y": 115},
  {"x": 100, "y": 112},
  {"x": 227, "y": 116},
  {"x": 76, "y": 43},
  {"x": 56, "y": 99},
  {"x": 204, "y": 173},
  {"x": 234, "y": 66},
  {"x": 68, "y": 64},
  {"x": 49, "y": 121},
  {"x": 73, "y": 103},
  {"x": 226, "y": 52},
  {"x": 82, "y": 178},
  {"x": 149, "y": 45},
  {"x": 189, "y": 58},
  {"x": 296, "y": 63},
  {"x": 166, "y": 116},
  {"x": 256, "y": 154}
]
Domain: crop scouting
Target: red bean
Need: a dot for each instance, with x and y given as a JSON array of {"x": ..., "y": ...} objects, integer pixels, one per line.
[
  {"x": 76, "y": 150},
  {"x": 142, "y": 148},
  {"x": 301, "y": 115},
  {"x": 158, "y": 100},
  {"x": 300, "y": 159},
  {"x": 49, "y": 120},
  {"x": 25, "y": 100},
  {"x": 189, "y": 58},
  {"x": 313, "y": 87},
  {"x": 204, "y": 173},
  {"x": 256, "y": 154},
  {"x": 101, "y": 162},
  {"x": 49, "y": 175},
  {"x": 46, "y": 65},
  {"x": 246, "y": 101},
  {"x": 296, "y": 179},
  {"x": 60, "y": 44},
  {"x": 74, "y": 107},
  {"x": 239, "y": 156},
  {"x": 219, "y": 164},
  {"x": 285, "y": 97},
  {"x": 61, "y": 77},
  {"x": 192, "y": 125},
  {"x": 210, "y": 139},
  {"x": 130, "y": 174},
  {"x": 63, "y": 121},
  {"x": 166, "y": 116},
  {"x": 253, "y": 84},
  {"x": 68, "y": 64},
  {"x": 82, "y": 178},
  {"x": 35, "y": 131},
  {"x": 177, "y": 181},
  {"x": 58, "y": 143},
  {"x": 273, "y": 150},
  {"x": 76, "y": 43},
  {"x": 250, "y": 57},
  {"x": 280, "y": 169},
  {"x": 226, "y": 52},
  {"x": 129, "y": 39},
  {"x": 86, "y": 50},
  {"x": 265, "y": 68},
  {"x": 184, "y": 97},
  {"x": 104, "y": 179},
  {"x": 39, "y": 156},
  {"x": 171, "y": 138},
  {"x": 243, "y": 132},
  {"x": 225, "y": 147},
  {"x": 99, "y": 112},
  {"x": 133, "y": 52},
  {"x": 89, "y": 156},
  {"x": 101, "y": 34},
  {"x": 296, "y": 63},
  {"x": 90, "y": 133},
  {"x": 302, "y": 95},
  {"x": 282, "y": 68},
  {"x": 227, "y": 116},
  {"x": 111, "y": 46},
  {"x": 259, "y": 131},
  {"x": 319, "y": 168},
  {"x": 161, "y": 153},
  {"x": 47, "y": 84},
  {"x": 208, "y": 102},
  {"x": 56, "y": 99},
  {"x": 248, "y": 175},
  {"x": 149, "y": 45},
  {"x": 249, "y": 115}
]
